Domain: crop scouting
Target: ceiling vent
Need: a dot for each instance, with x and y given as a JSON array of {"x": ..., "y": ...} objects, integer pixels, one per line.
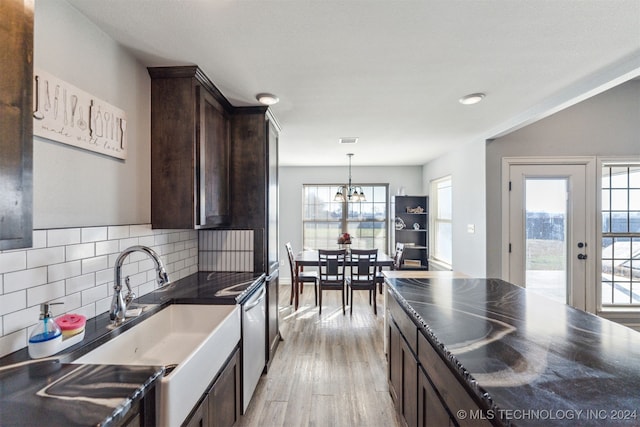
[{"x": 349, "y": 140}]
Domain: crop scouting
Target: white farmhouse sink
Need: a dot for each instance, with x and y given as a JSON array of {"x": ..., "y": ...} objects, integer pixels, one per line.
[{"x": 196, "y": 338}]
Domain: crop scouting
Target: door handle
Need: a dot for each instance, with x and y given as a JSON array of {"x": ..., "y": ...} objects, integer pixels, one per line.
[
  {"x": 582, "y": 245},
  {"x": 582, "y": 256}
]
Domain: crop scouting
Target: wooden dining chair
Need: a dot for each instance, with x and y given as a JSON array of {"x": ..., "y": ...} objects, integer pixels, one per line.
[
  {"x": 363, "y": 268},
  {"x": 331, "y": 269},
  {"x": 298, "y": 279}
]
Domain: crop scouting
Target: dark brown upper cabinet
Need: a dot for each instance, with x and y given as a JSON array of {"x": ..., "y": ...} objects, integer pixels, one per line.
[
  {"x": 16, "y": 124},
  {"x": 190, "y": 150},
  {"x": 254, "y": 180}
]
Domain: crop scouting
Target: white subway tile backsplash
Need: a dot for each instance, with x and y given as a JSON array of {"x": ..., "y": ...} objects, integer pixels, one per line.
[
  {"x": 225, "y": 250},
  {"x": 91, "y": 265},
  {"x": 13, "y": 261},
  {"x": 39, "y": 239},
  {"x": 88, "y": 310},
  {"x": 49, "y": 292},
  {"x": 118, "y": 232},
  {"x": 80, "y": 251},
  {"x": 126, "y": 243},
  {"x": 107, "y": 247},
  {"x": 24, "y": 279},
  {"x": 148, "y": 286},
  {"x": 70, "y": 304},
  {"x": 147, "y": 240},
  {"x": 20, "y": 319},
  {"x": 93, "y": 234},
  {"x": 13, "y": 302},
  {"x": 64, "y": 270},
  {"x": 139, "y": 278},
  {"x": 161, "y": 239},
  {"x": 11, "y": 342},
  {"x": 80, "y": 283},
  {"x": 174, "y": 237},
  {"x": 148, "y": 264},
  {"x": 63, "y": 236},
  {"x": 129, "y": 269},
  {"x": 76, "y": 266},
  {"x": 140, "y": 230},
  {"x": 94, "y": 294},
  {"x": 103, "y": 305},
  {"x": 104, "y": 276},
  {"x": 46, "y": 256}
]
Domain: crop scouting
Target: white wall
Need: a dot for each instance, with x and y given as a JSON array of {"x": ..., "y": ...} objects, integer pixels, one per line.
[
  {"x": 467, "y": 170},
  {"x": 292, "y": 178},
  {"x": 87, "y": 207},
  {"x": 605, "y": 125},
  {"x": 75, "y": 187}
]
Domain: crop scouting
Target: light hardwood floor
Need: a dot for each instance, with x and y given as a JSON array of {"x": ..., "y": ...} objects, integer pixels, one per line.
[{"x": 329, "y": 370}]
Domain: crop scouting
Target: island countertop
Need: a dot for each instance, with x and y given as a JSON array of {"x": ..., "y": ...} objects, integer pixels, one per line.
[{"x": 529, "y": 360}]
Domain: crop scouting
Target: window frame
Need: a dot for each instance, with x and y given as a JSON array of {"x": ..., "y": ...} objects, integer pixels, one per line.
[
  {"x": 434, "y": 221},
  {"x": 344, "y": 221},
  {"x": 614, "y": 311}
]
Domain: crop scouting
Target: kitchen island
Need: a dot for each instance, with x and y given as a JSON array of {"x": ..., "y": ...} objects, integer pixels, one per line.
[{"x": 519, "y": 358}]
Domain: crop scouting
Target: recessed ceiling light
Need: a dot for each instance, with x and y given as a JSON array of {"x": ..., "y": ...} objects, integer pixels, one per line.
[
  {"x": 471, "y": 99},
  {"x": 267, "y": 98},
  {"x": 348, "y": 140}
]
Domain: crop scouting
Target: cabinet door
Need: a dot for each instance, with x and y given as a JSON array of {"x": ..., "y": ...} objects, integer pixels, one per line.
[
  {"x": 224, "y": 397},
  {"x": 200, "y": 417},
  {"x": 273, "y": 331},
  {"x": 212, "y": 152},
  {"x": 16, "y": 124},
  {"x": 431, "y": 411},
  {"x": 394, "y": 363},
  {"x": 409, "y": 385}
]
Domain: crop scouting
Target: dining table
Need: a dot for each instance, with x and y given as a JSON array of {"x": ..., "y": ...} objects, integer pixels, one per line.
[{"x": 309, "y": 258}]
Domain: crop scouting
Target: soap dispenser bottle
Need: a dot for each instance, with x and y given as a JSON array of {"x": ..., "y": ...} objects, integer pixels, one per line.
[{"x": 46, "y": 338}]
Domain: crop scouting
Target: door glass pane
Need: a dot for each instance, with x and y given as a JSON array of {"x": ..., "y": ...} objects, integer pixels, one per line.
[{"x": 546, "y": 237}]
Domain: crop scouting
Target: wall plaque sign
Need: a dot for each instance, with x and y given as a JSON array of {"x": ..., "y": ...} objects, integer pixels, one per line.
[{"x": 66, "y": 114}]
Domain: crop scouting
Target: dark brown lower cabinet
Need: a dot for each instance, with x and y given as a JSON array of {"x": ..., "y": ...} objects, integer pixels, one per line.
[
  {"x": 424, "y": 389},
  {"x": 431, "y": 411},
  {"x": 200, "y": 416},
  {"x": 394, "y": 359},
  {"x": 220, "y": 405},
  {"x": 402, "y": 374},
  {"x": 409, "y": 385}
]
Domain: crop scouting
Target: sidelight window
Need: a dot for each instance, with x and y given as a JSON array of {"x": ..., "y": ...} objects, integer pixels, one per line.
[
  {"x": 442, "y": 219},
  {"x": 620, "y": 235}
]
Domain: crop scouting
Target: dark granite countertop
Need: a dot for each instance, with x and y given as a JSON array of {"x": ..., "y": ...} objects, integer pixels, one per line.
[
  {"x": 207, "y": 288},
  {"x": 529, "y": 360},
  {"x": 52, "y": 391},
  {"x": 47, "y": 392}
]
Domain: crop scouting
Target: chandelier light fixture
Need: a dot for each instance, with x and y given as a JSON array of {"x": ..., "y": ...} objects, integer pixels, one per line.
[{"x": 348, "y": 192}]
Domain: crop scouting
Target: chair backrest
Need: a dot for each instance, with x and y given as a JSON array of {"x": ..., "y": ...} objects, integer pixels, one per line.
[
  {"x": 363, "y": 265},
  {"x": 331, "y": 265},
  {"x": 291, "y": 260},
  {"x": 398, "y": 258}
]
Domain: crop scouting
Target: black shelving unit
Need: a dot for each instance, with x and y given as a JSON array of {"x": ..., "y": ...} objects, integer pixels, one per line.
[{"x": 412, "y": 228}]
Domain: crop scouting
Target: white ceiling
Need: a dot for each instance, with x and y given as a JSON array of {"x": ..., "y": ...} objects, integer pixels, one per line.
[{"x": 387, "y": 71}]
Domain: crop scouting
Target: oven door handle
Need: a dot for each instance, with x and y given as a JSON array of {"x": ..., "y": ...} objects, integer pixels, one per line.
[{"x": 251, "y": 305}]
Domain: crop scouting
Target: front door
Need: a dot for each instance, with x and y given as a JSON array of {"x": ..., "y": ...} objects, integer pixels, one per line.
[{"x": 548, "y": 247}]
